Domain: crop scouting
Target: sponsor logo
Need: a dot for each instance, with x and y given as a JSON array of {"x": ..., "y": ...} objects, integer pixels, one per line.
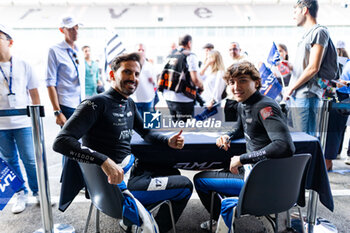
[
  {"x": 91, "y": 103},
  {"x": 118, "y": 114},
  {"x": 266, "y": 112},
  {"x": 197, "y": 166},
  {"x": 7, "y": 180},
  {"x": 152, "y": 120},
  {"x": 125, "y": 134}
]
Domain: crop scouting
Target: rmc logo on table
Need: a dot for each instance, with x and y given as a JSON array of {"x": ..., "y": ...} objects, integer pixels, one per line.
[{"x": 154, "y": 120}]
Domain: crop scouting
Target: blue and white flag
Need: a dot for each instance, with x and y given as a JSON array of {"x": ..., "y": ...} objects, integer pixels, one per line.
[
  {"x": 10, "y": 183},
  {"x": 346, "y": 77},
  {"x": 114, "y": 47},
  {"x": 270, "y": 85},
  {"x": 133, "y": 210},
  {"x": 227, "y": 215},
  {"x": 274, "y": 55}
]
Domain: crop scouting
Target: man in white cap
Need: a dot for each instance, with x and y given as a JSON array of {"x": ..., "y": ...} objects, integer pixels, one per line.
[
  {"x": 66, "y": 73},
  {"x": 18, "y": 88}
]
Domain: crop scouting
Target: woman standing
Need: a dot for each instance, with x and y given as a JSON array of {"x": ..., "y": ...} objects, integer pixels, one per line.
[{"x": 214, "y": 84}]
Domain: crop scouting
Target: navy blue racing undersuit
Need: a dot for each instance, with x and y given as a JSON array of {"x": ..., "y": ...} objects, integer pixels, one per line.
[
  {"x": 105, "y": 123},
  {"x": 261, "y": 122}
]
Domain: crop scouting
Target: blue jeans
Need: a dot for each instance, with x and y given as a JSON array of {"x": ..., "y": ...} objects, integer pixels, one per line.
[
  {"x": 19, "y": 142},
  {"x": 304, "y": 114},
  {"x": 144, "y": 107}
]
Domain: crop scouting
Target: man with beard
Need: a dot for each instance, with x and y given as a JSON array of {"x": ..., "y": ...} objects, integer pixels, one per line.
[{"x": 106, "y": 123}]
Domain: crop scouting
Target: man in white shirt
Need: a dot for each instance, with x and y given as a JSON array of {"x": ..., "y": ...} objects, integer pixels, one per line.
[
  {"x": 230, "y": 108},
  {"x": 145, "y": 92},
  {"x": 65, "y": 79},
  {"x": 181, "y": 106},
  {"x": 18, "y": 88}
]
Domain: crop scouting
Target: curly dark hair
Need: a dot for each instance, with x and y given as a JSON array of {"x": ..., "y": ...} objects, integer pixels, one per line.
[
  {"x": 243, "y": 68},
  {"x": 123, "y": 58}
]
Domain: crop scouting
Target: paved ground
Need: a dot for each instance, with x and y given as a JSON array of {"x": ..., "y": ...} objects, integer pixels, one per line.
[{"x": 30, "y": 219}]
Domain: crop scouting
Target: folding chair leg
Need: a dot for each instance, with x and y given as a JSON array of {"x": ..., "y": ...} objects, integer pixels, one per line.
[
  {"x": 289, "y": 224},
  {"x": 88, "y": 218},
  {"x": 97, "y": 220},
  {"x": 170, "y": 210},
  {"x": 301, "y": 220},
  {"x": 276, "y": 223},
  {"x": 211, "y": 211},
  {"x": 271, "y": 221},
  {"x": 172, "y": 215}
]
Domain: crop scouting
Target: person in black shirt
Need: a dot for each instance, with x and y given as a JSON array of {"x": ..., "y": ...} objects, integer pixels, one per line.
[
  {"x": 105, "y": 123},
  {"x": 260, "y": 122}
]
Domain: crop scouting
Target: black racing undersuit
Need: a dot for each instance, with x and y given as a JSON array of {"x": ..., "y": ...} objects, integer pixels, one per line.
[
  {"x": 106, "y": 123},
  {"x": 261, "y": 122}
]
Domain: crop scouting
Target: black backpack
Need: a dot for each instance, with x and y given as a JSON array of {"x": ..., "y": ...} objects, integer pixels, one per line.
[
  {"x": 175, "y": 75},
  {"x": 329, "y": 69}
]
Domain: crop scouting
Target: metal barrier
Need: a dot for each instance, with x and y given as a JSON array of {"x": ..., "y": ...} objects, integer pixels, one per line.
[
  {"x": 327, "y": 105},
  {"x": 36, "y": 112}
]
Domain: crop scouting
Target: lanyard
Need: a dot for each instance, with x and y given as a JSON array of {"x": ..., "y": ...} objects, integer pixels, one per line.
[
  {"x": 74, "y": 63},
  {"x": 9, "y": 81}
]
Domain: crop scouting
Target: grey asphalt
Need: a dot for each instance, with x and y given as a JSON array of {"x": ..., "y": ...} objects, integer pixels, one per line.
[{"x": 75, "y": 215}]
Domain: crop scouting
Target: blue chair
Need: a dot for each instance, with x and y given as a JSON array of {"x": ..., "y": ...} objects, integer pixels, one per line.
[
  {"x": 106, "y": 197},
  {"x": 273, "y": 186}
]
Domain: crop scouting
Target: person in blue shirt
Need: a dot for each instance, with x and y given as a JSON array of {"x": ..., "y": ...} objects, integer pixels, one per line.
[
  {"x": 65, "y": 78},
  {"x": 91, "y": 73}
]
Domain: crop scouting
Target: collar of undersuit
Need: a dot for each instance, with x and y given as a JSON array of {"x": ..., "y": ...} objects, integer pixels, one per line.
[
  {"x": 116, "y": 95},
  {"x": 253, "y": 98}
]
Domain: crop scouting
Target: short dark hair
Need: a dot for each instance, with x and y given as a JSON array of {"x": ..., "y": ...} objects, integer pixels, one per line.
[
  {"x": 183, "y": 40},
  {"x": 311, "y": 5},
  {"x": 123, "y": 58},
  {"x": 243, "y": 68},
  {"x": 84, "y": 47}
]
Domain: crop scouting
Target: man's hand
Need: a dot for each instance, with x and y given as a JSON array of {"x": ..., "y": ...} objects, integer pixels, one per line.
[
  {"x": 61, "y": 119},
  {"x": 114, "y": 172},
  {"x": 223, "y": 142},
  {"x": 288, "y": 93},
  {"x": 177, "y": 141},
  {"x": 235, "y": 163}
]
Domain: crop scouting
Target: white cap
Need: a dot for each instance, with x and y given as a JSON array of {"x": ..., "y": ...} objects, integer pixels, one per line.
[
  {"x": 69, "y": 22},
  {"x": 6, "y": 30},
  {"x": 340, "y": 44}
]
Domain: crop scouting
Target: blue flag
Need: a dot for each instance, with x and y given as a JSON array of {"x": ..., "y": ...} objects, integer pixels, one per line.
[
  {"x": 270, "y": 85},
  {"x": 274, "y": 55},
  {"x": 346, "y": 77},
  {"x": 9, "y": 183}
]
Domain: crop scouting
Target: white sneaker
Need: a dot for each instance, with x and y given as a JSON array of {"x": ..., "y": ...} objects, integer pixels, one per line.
[
  {"x": 37, "y": 198},
  {"x": 206, "y": 225},
  {"x": 20, "y": 202},
  {"x": 347, "y": 160}
]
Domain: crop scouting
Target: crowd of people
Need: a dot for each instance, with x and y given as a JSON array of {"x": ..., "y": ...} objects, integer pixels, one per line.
[{"x": 105, "y": 122}]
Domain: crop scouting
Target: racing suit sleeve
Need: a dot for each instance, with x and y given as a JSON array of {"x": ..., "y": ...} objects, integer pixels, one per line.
[
  {"x": 78, "y": 125},
  {"x": 147, "y": 134},
  {"x": 237, "y": 131},
  {"x": 281, "y": 141}
]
